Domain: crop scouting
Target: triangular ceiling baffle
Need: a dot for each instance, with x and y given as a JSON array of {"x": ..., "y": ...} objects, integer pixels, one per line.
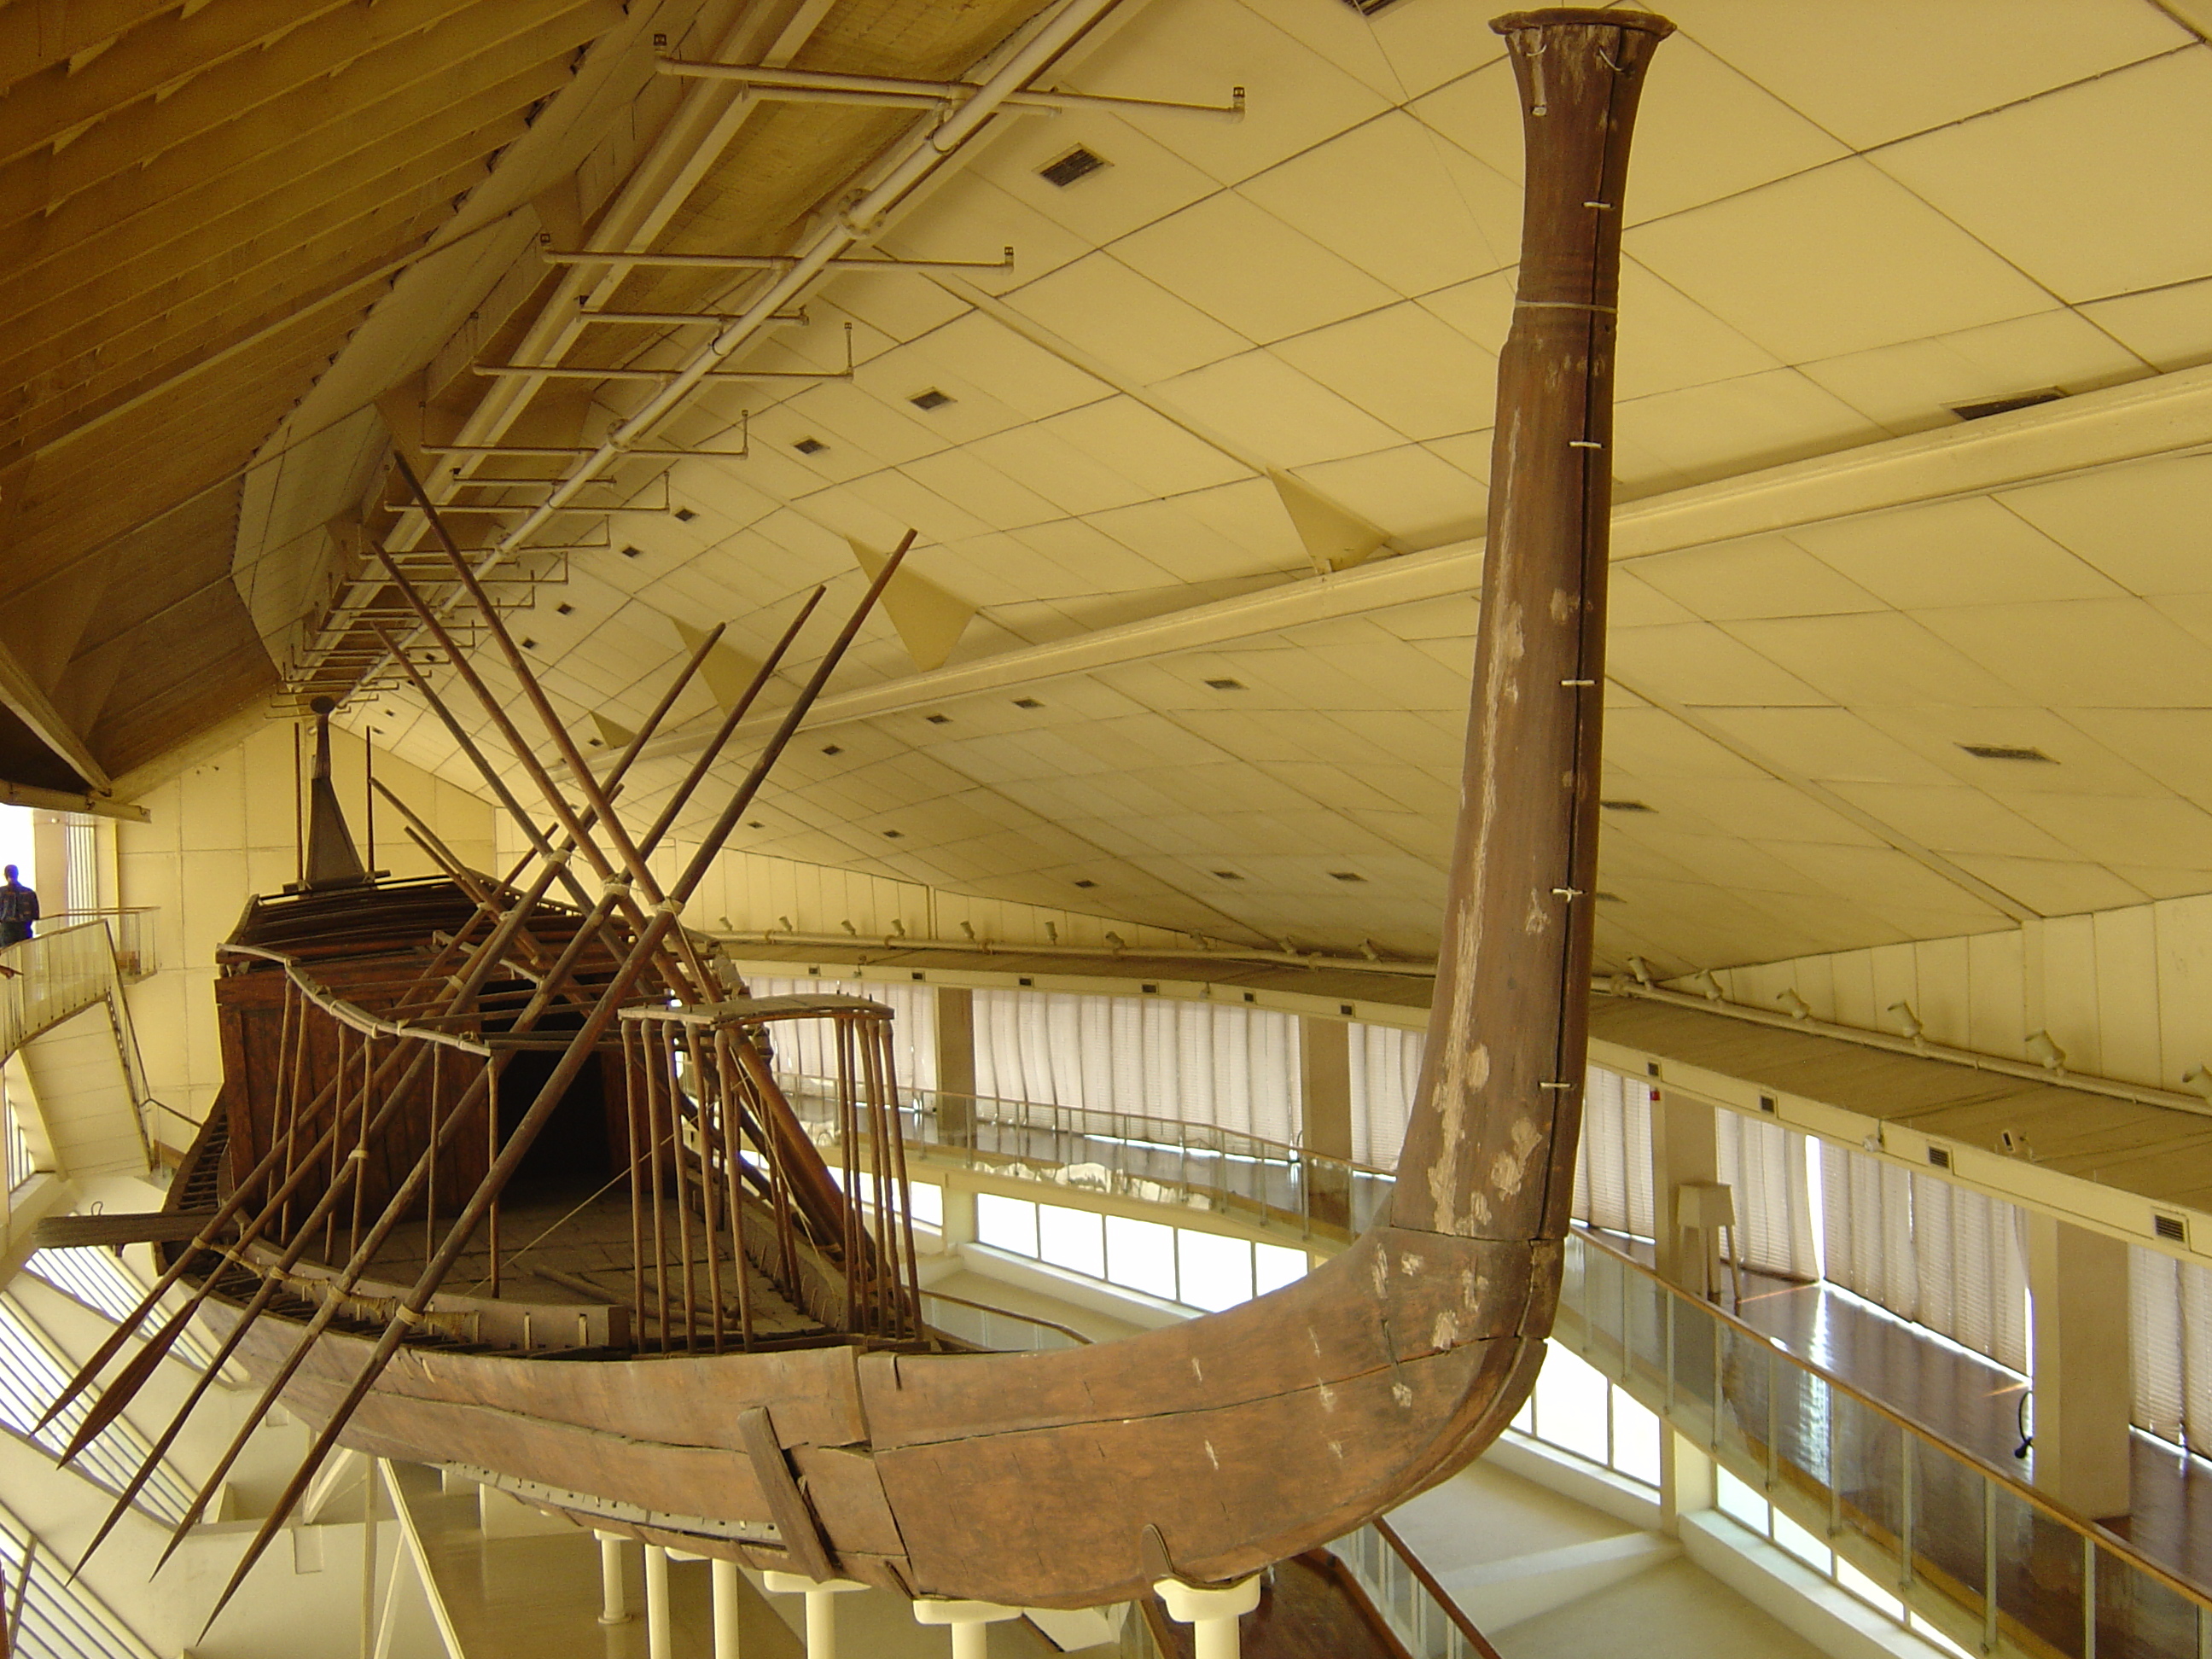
[
  {"x": 610, "y": 734},
  {"x": 727, "y": 673},
  {"x": 928, "y": 619},
  {"x": 1336, "y": 538}
]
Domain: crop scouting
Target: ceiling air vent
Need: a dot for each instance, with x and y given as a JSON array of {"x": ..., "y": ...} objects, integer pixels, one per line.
[
  {"x": 1345, "y": 875},
  {"x": 564, "y": 609},
  {"x": 2169, "y": 1227},
  {"x": 684, "y": 515},
  {"x": 932, "y": 399},
  {"x": 938, "y": 719},
  {"x": 1027, "y": 702},
  {"x": 1766, "y": 1103},
  {"x": 809, "y": 446},
  {"x": 1982, "y": 412},
  {"x": 2006, "y": 752},
  {"x": 633, "y": 552},
  {"x": 1624, "y": 807},
  {"x": 1228, "y": 875},
  {"x": 1086, "y": 884},
  {"x": 1604, "y": 897},
  {"x": 1368, "y": 8},
  {"x": 831, "y": 748},
  {"x": 1940, "y": 1157},
  {"x": 893, "y": 835},
  {"x": 1077, "y": 163},
  {"x": 1224, "y": 685}
]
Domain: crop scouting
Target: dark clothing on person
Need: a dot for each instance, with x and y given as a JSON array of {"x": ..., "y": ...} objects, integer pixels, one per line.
[{"x": 19, "y": 909}]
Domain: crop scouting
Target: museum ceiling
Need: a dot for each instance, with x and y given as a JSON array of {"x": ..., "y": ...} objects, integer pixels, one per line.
[{"x": 1911, "y": 626}]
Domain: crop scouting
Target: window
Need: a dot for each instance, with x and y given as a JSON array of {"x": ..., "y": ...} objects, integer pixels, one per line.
[
  {"x": 1140, "y": 1255},
  {"x": 1576, "y": 1408},
  {"x": 1006, "y": 1224}
]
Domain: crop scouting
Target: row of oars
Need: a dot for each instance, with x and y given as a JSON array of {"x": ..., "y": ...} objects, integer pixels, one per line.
[{"x": 632, "y": 918}]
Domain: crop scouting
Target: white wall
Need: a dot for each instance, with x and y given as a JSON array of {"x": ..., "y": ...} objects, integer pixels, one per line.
[
  {"x": 221, "y": 831},
  {"x": 2126, "y": 993}
]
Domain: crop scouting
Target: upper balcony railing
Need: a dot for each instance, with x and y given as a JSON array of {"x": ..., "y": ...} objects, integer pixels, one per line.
[
  {"x": 1158, "y": 1160},
  {"x": 131, "y": 931},
  {"x": 1987, "y": 1559}
]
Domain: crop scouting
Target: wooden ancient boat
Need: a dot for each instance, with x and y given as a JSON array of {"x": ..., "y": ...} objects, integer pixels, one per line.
[{"x": 501, "y": 1177}]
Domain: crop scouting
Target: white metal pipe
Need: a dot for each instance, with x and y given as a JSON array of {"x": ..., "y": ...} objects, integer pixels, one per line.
[
  {"x": 828, "y": 86},
  {"x": 861, "y": 218},
  {"x": 659, "y": 1639},
  {"x": 727, "y": 1607},
  {"x": 614, "y": 1587}
]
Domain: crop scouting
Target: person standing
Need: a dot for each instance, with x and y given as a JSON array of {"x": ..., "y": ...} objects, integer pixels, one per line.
[{"x": 19, "y": 909}]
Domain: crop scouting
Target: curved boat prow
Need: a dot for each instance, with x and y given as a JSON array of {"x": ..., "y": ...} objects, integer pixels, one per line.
[{"x": 1208, "y": 1450}]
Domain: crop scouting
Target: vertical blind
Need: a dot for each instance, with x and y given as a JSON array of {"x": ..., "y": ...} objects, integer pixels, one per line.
[
  {"x": 1386, "y": 1069},
  {"x": 802, "y": 1045},
  {"x": 1613, "y": 1169},
  {"x": 1945, "y": 1256},
  {"x": 2170, "y": 1343},
  {"x": 1766, "y": 1167},
  {"x": 1234, "y": 1066}
]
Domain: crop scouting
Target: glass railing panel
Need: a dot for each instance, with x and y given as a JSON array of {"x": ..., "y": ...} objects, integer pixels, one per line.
[
  {"x": 1746, "y": 1365},
  {"x": 1803, "y": 1408},
  {"x": 2139, "y": 1616},
  {"x": 1868, "y": 1455},
  {"x": 1949, "y": 1542},
  {"x": 1691, "y": 1359},
  {"x": 1647, "y": 1335},
  {"x": 1603, "y": 1277},
  {"x": 2039, "y": 1579}
]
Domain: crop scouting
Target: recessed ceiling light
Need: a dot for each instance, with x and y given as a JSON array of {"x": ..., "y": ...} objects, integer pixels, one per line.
[
  {"x": 2048, "y": 394},
  {"x": 938, "y": 719},
  {"x": 1027, "y": 702},
  {"x": 684, "y": 515},
  {"x": 809, "y": 446},
  {"x": 2006, "y": 752},
  {"x": 831, "y": 748},
  {"x": 932, "y": 399},
  {"x": 1345, "y": 875},
  {"x": 1086, "y": 884},
  {"x": 1225, "y": 685},
  {"x": 1624, "y": 807},
  {"x": 1077, "y": 163}
]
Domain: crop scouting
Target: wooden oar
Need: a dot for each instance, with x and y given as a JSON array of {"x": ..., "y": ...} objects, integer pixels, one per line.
[{"x": 410, "y": 1313}]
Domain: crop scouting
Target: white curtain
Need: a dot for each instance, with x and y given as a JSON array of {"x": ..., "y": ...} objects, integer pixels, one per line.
[
  {"x": 1386, "y": 1069},
  {"x": 802, "y": 1045},
  {"x": 1612, "y": 1167},
  {"x": 1763, "y": 1165},
  {"x": 1973, "y": 1272},
  {"x": 1198, "y": 1062},
  {"x": 2170, "y": 1343},
  {"x": 1941, "y": 1254},
  {"x": 1868, "y": 1208}
]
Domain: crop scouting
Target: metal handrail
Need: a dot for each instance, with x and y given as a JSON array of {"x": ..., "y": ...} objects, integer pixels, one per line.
[
  {"x": 1067, "y": 1331},
  {"x": 2080, "y": 1525}
]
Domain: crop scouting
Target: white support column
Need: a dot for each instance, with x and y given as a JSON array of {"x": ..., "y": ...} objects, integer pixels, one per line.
[
  {"x": 727, "y": 1606},
  {"x": 821, "y": 1606},
  {"x": 970, "y": 1623},
  {"x": 2083, "y": 1392},
  {"x": 1687, "y": 1483},
  {"x": 1212, "y": 1612},
  {"x": 659, "y": 1639},
  {"x": 614, "y": 1587}
]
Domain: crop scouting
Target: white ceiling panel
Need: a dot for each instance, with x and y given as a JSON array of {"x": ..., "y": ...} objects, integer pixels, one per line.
[
  {"x": 1412, "y": 493},
  {"x": 1759, "y": 576},
  {"x": 1150, "y": 450},
  {"x": 1243, "y": 266},
  {"x": 1144, "y": 177},
  {"x": 1697, "y": 664},
  {"x": 2148, "y": 527},
  {"x": 1952, "y": 553},
  {"x": 2096, "y": 190},
  {"x": 1405, "y": 367},
  {"x": 1262, "y": 403},
  {"x": 1129, "y": 322},
  {"x": 1876, "y": 69},
  {"x": 2089, "y": 653},
  {"x": 2169, "y": 328},
  {"x": 1710, "y": 431},
  {"x": 1833, "y": 261},
  {"x": 1399, "y": 201},
  {"x": 1918, "y": 385}
]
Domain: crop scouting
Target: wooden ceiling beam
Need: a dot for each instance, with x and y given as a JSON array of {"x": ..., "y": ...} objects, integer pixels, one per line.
[
  {"x": 101, "y": 228},
  {"x": 105, "y": 302},
  {"x": 49, "y": 107},
  {"x": 35, "y": 34},
  {"x": 301, "y": 63},
  {"x": 28, "y": 699}
]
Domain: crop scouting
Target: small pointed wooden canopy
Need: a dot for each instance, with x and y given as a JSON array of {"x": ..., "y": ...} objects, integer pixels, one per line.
[{"x": 333, "y": 860}]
